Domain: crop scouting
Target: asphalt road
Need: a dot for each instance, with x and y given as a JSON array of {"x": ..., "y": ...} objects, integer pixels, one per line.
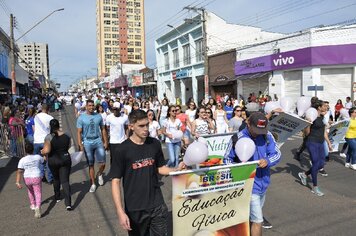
[{"x": 290, "y": 206}]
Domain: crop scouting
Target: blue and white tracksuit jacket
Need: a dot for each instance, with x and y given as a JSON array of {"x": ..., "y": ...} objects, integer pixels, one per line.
[{"x": 266, "y": 148}]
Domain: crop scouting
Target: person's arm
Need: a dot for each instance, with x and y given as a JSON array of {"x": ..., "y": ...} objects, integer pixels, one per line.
[
  {"x": 165, "y": 170},
  {"x": 46, "y": 148},
  {"x": 326, "y": 136},
  {"x": 230, "y": 154},
  {"x": 225, "y": 118},
  {"x": 193, "y": 130},
  {"x": 104, "y": 136},
  {"x": 18, "y": 178},
  {"x": 273, "y": 155},
  {"x": 79, "y": 139},
  {"x": 124, "y": 220}
]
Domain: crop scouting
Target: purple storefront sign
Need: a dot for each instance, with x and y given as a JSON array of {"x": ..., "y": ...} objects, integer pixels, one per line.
[{"x": 313, "y": 56}]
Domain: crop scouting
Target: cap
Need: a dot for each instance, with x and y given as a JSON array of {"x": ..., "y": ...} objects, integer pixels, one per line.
[
  {"x": 258, "y": 123},
  {"x": 116, "y": 105}
]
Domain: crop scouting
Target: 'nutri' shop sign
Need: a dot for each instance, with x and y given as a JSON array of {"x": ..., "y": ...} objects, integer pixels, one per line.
[{"x": 312, "y": 56}]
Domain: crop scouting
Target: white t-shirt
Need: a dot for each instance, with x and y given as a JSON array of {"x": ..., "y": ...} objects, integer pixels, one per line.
[
  {"x": 128, "y": 108},
  {"x": 153, "y": 129},
  {"x": 191, "y": 114},
  {"x": 171, "y": 127},
  {"x": 104, "y": 116},
  {"x": 164, "y": 111},
  {"x": 31, "y": 166},
  {"x": 348, "y": 105},
  {"x": 117, "y": 128},
  {"x": 41, "y": 127}
]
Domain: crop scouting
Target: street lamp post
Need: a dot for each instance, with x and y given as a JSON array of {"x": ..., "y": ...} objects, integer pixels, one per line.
[{"x": 12, "y": 46}]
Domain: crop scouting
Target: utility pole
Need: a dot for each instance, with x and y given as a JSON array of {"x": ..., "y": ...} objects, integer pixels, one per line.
[
  {"x": 205, "y": 46},
  {"x": 12, "y": 56}
]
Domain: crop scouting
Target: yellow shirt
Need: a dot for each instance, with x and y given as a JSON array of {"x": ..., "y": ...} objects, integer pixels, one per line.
[{"x": 351, "y": 132}]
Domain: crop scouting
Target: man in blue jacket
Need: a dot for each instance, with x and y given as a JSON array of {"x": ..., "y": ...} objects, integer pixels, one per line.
[{"x": 268, "y": 155}]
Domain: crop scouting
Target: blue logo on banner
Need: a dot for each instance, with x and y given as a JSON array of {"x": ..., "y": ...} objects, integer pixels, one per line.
[{"x": 4, "y": 68}]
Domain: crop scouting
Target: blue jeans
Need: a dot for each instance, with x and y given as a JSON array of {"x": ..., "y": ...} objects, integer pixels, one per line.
[
  {"x": 316, "y": 152},
  {"x": 95, "y": 153},
  {"x": 351, "y": 152},
  {"x": 173, "y": 152},
  {"x": 29, "y": 138},
  {"x": 13, "y": 148},
  {"x": 326, "y": 149},
  {"x": 44, "y": 167}
]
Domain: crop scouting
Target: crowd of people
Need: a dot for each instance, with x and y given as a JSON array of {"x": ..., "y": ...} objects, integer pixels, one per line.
[{"x": 126, "y": 125}]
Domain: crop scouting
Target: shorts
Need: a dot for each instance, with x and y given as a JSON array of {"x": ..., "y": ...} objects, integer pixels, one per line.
[
  {"x": 149, "y": 222},
  {"x": 186, "y": 134},
  {"x": 95, "y": 153},
  {"x": 256, "y": 205}
]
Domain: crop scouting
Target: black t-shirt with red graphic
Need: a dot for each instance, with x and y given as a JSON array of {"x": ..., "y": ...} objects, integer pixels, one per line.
[{"x": 137, "y": 167}]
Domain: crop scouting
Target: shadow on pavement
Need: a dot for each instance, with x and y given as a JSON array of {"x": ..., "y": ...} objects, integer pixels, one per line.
[
  {"x": 82, "y": 188},
  {"x": 50, "y": 206},
  {"x": 5, "y": 172}
]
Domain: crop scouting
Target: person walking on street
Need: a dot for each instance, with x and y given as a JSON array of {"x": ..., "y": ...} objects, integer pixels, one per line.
[
  {"x": 56, "y": 146},
  {"x": 42, "y": 129},
  {"x": 30, "y": 167},
  {"x": 267, "y": 154},
  {"x": 351, "y": 141},
  {"x": 315, "y": 137},
  {"x": 92, "y": 139},
  {"x": 137, "y": 162}
]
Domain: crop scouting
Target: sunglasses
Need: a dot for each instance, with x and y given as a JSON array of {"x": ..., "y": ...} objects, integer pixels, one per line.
[
  {"x": 173, "y": 110},
  {"x": 208, "y": 112},
  {"x": 238, "y": 110}
]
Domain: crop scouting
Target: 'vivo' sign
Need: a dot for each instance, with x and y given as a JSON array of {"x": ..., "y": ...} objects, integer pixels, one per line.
[
  {"x": 300, "y": 58},
  {"x": 283, "y": 61}
]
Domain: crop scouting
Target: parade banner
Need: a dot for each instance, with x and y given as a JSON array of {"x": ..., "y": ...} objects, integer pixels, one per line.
[
  {"x": 213, "y": 201},
  {"x": 285, "y": 125},
  {"x": 217, "y": 145},
  {"x": 337, "y": 133}
]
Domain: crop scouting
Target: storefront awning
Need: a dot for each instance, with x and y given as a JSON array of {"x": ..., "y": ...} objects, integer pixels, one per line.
[{"x": 252, "y": 76}]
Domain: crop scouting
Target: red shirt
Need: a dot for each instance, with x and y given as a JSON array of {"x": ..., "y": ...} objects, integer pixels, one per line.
[
  {"x": 338, "y": 107},
  {"x": 183, "y": 118}
]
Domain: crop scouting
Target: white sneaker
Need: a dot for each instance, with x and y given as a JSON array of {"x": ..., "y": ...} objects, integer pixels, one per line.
[
  {"x": 347, "y": 165},
  {"x": 33, "y": 207},
  {"x": 342, "y": 154},
  {"x": 101, "y": 180},
  {"x": 353, "y": 166},
  {"x": 37, "y": 213},
  {"x": 92, "y": 188}
]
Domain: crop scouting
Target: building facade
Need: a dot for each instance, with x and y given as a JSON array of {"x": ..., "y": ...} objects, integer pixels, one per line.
[
  {"x": 180, "y": 55},
  {"x": 35, "y": 58},
  {"x": 292, "y": 66},
  {"x": 120, "y": 33}
]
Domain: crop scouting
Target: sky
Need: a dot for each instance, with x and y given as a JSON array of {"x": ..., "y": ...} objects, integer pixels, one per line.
[{"x": 71, "y": 34}]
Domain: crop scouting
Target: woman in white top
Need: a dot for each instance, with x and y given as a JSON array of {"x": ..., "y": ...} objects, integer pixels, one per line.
[
  {"x": 191, "y": 111},
  {"x": 154, "y": 126},
  {"x": 171, "y": 126},
  {"x": 162, "y": 113},
  {"x": 201, "y": 126},
  {"x": 221, "y": 120},
  {"x": 100, "y": 110}
]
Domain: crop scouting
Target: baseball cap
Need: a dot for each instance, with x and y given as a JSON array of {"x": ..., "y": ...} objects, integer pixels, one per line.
[
  {"x": 258, "y": 123},
  {"x": 116, "y": 105}
]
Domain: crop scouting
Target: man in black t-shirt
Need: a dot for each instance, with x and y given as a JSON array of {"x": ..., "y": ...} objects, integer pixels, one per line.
[{"x": 137, "y": 162}]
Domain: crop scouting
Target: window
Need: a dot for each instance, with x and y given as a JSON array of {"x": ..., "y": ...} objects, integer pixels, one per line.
[
  {"x": 114, "y": 2},
  {"x": 106, "y": 29},
  {"x": 114, "y": 9},
  {"x": 166, "y": 61},
  {"x": 107, "y": 56},
  {"x": 107, "y": 36},
  {"x": 130, "y": 50},
  {"x": 129, "y": 10},
  {"x": 106, "y": 8},
  {"x": 137, "y": 4},
  {"x": 186, "y": 54},
  {"x": 199, "y": 50},
  {"x": 115, "y": 29},
  {"x": 107, "y": 43},
  {"x": 137, "y": 30},
  {"x": 138, "y": 37},
  {"x": 137, "y": 18},
  {"x": 138, "y": 50},
  {"x": 114, "y": 15},
  {"x": 115, "y": 22},
  {"x": 115, "y": 36},
  {"x": 130, "y": 57},
  {"x": 106, "y": 22},
  {"x": 106, "y": 1},
  {"x": 137, "y": 11},
  {"x": 115, "y": 43},
  {"x": 137, "y": 44},
  {"x": 106, "y": 15},
  {"x": 137, "y": 57},
  {"x": 107, "y": 50},
  {"x": 175, "y": 58}
]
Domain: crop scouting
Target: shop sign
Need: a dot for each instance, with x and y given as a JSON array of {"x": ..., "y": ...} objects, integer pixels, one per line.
[
  {"x": 221, "y": 78},
  {"x": 121, "y": 81},
  {"x": 136, "y": 80},
  {"x": 183, "y": 74},
  {"x": 148, "y": 76},
  {"x": 312, "y": 56},
  {"x": 4, "y": 66}
]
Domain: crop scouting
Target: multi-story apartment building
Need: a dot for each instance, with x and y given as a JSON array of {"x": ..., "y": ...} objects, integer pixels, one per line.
[
  {"x": 34, "y": 58},
  {"x": 120, "y": 33}
]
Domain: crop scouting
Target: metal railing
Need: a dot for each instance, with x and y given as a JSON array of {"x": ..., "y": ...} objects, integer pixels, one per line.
[{"x": 12, "y": 140}]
